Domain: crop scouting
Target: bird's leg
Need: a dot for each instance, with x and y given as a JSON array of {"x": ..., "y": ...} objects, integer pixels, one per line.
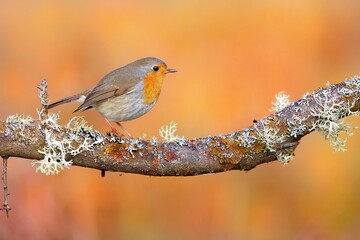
[
  {"x": 123, "y": 129},
  {"x": 113, "y": 130}
]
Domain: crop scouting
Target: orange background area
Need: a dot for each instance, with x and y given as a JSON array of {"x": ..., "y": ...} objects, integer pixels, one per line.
[{"x": 232, "y": 58}]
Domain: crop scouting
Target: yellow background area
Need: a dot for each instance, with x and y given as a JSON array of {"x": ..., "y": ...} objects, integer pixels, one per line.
[{"x": 232, "y": 57}]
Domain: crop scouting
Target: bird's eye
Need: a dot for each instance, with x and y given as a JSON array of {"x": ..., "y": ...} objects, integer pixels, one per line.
[{"x": 155, "y": 68}]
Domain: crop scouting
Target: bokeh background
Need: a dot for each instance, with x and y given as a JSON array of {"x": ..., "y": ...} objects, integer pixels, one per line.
[{"x": 232, "y": 57}]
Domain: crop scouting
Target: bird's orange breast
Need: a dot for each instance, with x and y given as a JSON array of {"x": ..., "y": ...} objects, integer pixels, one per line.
[{"x": 152, "y": 87}]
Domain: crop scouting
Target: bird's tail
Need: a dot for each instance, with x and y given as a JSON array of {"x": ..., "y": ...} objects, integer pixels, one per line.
[{"x": 77, "y": 97}]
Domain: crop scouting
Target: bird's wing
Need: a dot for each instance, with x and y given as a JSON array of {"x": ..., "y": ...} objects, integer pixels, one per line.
[
  {"x": 116, "y": 83},
  {"x": 104, "y": 91}
]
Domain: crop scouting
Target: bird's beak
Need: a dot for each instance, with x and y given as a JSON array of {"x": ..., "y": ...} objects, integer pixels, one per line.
[{"x": 171, "y": 70}]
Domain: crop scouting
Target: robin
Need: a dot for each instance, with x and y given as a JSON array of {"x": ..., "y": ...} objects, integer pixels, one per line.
[{"x": 125, "y": 93}]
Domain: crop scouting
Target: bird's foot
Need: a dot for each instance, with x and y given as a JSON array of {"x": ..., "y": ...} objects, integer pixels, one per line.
[{"x": 115, "y": 132}]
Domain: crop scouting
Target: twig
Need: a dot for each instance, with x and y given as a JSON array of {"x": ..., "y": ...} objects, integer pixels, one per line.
[
  {"x": 43, "y": 98},
  {"x": 6, "y": 206}
]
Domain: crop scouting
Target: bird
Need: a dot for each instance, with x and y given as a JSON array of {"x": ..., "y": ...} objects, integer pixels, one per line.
[{"x": 124, "y": 94}]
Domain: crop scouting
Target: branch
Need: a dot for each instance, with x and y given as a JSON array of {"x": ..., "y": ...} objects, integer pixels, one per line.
[
  {"x": 273, "y": 137},
  {"x": 6, "y": 206}
]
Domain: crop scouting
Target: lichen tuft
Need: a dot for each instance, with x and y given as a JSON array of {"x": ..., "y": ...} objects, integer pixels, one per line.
[
  {"x": 282, "y": 100},
  {"x": 167, "y": 133}
]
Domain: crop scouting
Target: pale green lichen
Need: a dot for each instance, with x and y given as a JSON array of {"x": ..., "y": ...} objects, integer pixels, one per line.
[
  {"x": 78, "y": 124},
  {"x": 56, "y": 150},
  {"x": 58, "y": 147},
  {"x": 338, "y": 144},
  {"x": 18, "y": 123},
  {"x": 135, "y": 145},
  {"x": 284, "y": 157},
  {"x": 281, "y": 101},
  {"x": 245, "y": 140},
  {"x": 153, "y": 141},
  {"x": 167, "y": 133},
  {"x": 50, "y": 121},
  {"x": 54, "y": 155},
  {"x": 330, "y": 116},
  {"x": 269, "y": 136},
  {"x": 296, "y": 126}
]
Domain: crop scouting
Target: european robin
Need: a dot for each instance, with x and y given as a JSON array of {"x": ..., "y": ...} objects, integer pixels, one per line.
[{"x": 125, "y": 93}]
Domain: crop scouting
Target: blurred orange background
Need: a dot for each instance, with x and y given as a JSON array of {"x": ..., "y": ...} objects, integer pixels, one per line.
[{"x": 232, "y": 58}]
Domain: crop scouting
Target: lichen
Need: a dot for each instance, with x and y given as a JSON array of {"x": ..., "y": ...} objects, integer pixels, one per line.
[
  {"x": 153, "y": 141},
  {"x": 78, "y": 124},
  {"x": 284, "y": 157},
  {"x": 77, "y": 138},
  {"x": 135, "y": 145},
  {"x": 269, "y": 135},
  {"x": 282, "y": 100},
  {"x": 18, "y": 123},
  {"x": 54, "y": 155},
  {"x": 245, "y": 139},
  {"x": 329, "y": 115},
  {"x": 296, "y": 126},
  {"x": 167, "y": 133},
  {"x": 50, "y": 120}
]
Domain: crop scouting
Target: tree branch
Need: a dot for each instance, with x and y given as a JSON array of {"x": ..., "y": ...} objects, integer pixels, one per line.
[
  {"x": 273, "y": 137},
  {"x": 6, "y": 206}
]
